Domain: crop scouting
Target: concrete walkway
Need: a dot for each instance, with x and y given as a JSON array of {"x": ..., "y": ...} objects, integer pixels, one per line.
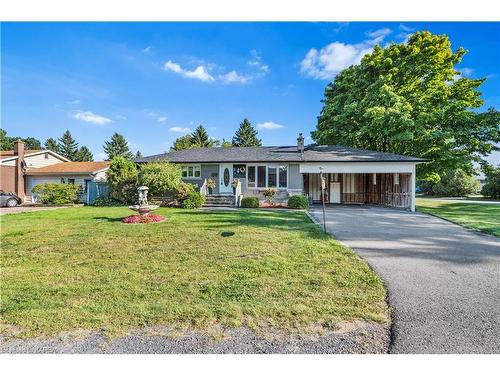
[{"x": 443, "y": 280}]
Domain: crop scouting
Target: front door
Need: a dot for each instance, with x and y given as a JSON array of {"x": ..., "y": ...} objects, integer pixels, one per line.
[
  {"x": 225, "y": 178},
  {"x": 334, "y": 192}
]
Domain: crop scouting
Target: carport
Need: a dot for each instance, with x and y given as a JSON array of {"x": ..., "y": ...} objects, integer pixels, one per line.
[{"x": 390, "y": 184}]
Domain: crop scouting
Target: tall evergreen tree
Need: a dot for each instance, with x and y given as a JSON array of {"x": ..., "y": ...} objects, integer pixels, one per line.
[
  {"x": 182, "y": 143},
  {"x": 7, "y": 143},
  {"x": 225, "y": 143},
  {"x": 246, "y": 135},
  {"x": 138, "y": 155},
  {"x": 200, "y": 138},
  {"x": 51, "y": 144},
  {"x": 84, "y": 154},
  {"x": 118, "y": 146},
  {"x": 68, "y": 147}
]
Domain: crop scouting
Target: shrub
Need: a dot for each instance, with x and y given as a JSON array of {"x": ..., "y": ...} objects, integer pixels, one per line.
[
  {"x": 456, "y": 183},
  {"x": 106, "y": 201},
  {"x": 162, "y": 178},
  {"x": 193, "y": 200},
  {"x": 491, "y": 188},
  {"x": 56, "y": 193},
  {"x": 298, "y": 201},
  {"x": 250, "y": 202},
  {"x": 183, "y": 191},
  {"x": 269, "y": 194},
  {"x": 123, "y": 179}
]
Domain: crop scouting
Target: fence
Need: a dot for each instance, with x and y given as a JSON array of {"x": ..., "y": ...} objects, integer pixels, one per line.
[{"x": 96, "y": 190}]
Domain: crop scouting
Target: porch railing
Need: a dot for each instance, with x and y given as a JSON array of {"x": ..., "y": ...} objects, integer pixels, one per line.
[
  {"x": 204, "y": 188},
  {"x": 237, "y": 194}
]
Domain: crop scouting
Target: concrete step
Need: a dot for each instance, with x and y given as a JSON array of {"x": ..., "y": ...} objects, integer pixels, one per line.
[{"x": 219, "y": 201}]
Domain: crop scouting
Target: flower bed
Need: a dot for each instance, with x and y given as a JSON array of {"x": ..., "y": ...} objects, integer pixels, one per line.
[{"x": 142, "y": 219}]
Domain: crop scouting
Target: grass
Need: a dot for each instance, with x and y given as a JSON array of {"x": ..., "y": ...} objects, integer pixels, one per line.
[
  {"x": 480, "y": 216},
  {"x": 81, "y": 268}
]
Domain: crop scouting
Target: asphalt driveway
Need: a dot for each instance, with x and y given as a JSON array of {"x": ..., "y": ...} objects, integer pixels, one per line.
[{"x": 443, "y": 280}]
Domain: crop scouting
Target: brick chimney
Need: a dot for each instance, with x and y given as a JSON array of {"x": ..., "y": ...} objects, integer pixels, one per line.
[
  {"x": 19, "y": 173},
  {"x": 300, "y": 144}
]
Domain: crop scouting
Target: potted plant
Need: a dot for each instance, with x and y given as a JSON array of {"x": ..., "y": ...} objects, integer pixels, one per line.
[
  {"x": 270, "y": 194},
  {"x": 210, "y": 185},
  {"x": 234, "y": 184}
]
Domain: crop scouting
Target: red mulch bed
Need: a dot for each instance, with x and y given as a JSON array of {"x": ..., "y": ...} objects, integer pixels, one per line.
[
  {"x": 275, "y": 205},
  {"x": 139, "y": 219}
]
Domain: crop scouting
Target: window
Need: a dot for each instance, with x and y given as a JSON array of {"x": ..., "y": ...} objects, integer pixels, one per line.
[
  {"x": 271, "y": 177},
  {"x": 261, "y": 176},
  {"x": 86, "y": 185},
  {"x": 71, "y": 181},
  {"x": 191, "y": 171},
  {"x": 46, "y": 155},
  {"x": 283, "y": 176},
  {"x": 251, "y": 176},
  {"x": 62, "y": 180}
]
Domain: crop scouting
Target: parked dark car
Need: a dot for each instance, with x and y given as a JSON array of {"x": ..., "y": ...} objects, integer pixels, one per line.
[{"x": 9, "y": 199}]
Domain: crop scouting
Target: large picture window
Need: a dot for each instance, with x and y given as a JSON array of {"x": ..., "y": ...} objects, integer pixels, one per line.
[
  {"x": 191, "y": 171},
  {"x": 251, "y": 176},
  {"x": 262, "y": 176},
  {"x": 271, "y": 177},
  {"x": 283, "y": 176}
]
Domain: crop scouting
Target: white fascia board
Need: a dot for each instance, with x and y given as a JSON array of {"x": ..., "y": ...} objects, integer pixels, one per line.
[{"x": 358, "y": 167}]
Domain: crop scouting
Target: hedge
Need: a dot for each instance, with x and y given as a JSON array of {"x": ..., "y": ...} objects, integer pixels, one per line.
[
  {"x": 56, "y": 193},
  {"x": 298, "y": 201},
  {"x": 249, "y": 202}
]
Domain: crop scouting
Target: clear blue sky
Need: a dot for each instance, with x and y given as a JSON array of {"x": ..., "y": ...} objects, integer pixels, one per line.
[{"x": 153, "y": 82}]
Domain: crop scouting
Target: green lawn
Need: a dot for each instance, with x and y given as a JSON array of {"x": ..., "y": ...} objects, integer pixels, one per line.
[
  {"x": 82, "y": 268},
  {"x": 480, "y": 216}
]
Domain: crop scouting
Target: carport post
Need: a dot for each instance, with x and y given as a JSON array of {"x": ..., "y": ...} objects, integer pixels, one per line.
[
  {"x": 323, "y": 186},
  {"x": 413, "y": 189}
]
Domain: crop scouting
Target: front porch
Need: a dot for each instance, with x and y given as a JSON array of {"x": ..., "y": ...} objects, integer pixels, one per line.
[{"x": 384, "y": 189}]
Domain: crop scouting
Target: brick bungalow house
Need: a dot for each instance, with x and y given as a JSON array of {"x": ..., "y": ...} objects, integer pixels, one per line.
[{"x": 21, "y": 170}]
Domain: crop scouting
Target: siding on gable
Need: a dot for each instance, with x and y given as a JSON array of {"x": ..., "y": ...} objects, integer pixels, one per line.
[{"x": 38, "y": 161}]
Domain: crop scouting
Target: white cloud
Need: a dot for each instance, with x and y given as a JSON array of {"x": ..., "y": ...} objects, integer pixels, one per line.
[
  {"x": 256, "y": 62},
  {"x": 88, "y": 116},
  {"x": 76, "y": 101},
  {"x": 340, "y": 26},
  {"x": 234, "y": 77},
  {"x": 466, "y": 72},
  {"x": 147, "y": 49},
  {"x": 120, "y": 117},
  {"x": 378, "y": 35},
  {"x": 201, "y": 73},
  {"x": 162, "y": 119},
  {"x": 179, "y": 129},
  {"x": 331, "y": 59},
  {"x": 269, "y": 125},
  {"x": 406, "y": 28}
]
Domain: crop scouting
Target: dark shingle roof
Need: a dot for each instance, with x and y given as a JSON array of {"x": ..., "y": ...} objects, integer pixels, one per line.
[{"x": 312, "y": 153}]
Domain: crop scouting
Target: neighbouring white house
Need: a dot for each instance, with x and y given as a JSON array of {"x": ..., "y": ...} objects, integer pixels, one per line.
[{"x": 22, "y": 170}]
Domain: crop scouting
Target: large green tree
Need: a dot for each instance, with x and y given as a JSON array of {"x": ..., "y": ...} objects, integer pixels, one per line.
[
  {"x": 7, "y": 143},
  {"x": 68, "y": 147},
  {"x": 51, "y": 144},
  {"x": 246, "y": 135},
  {"x": 84, "y": 154},
  {"x": 117, "y": 146},
  {"x": 182, "y": 143},
  {"x": 123, "y": 177},
  {"x": 410, "y": 99}
]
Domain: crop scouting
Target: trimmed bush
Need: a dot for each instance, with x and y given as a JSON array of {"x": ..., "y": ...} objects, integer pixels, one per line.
[
  {"x": 56, "y": 193},
  {"x": 162, "y": 178},
  {"x": 250, "y": 202},
  {"x": 194, "y": 199},
  {"x": 106, "y": 202},
  {"x": 298, "y": 201},
  {"x": 123, "y": 179}
]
